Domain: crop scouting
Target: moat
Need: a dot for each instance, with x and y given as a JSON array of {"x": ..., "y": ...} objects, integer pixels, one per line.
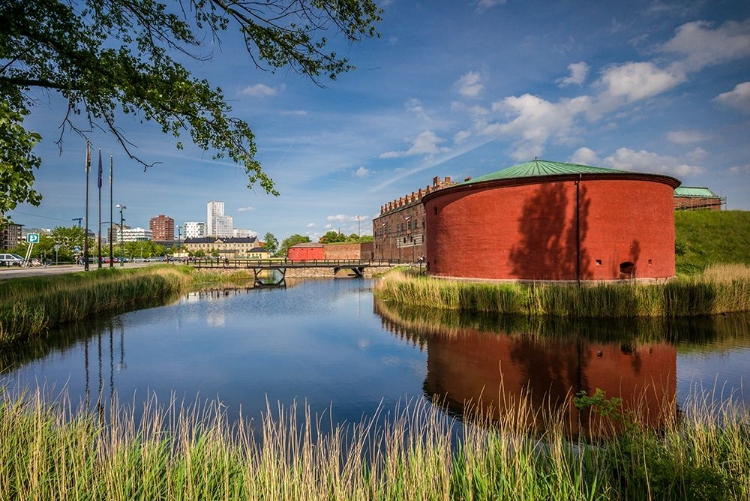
[{"x": 328, "y": 344}]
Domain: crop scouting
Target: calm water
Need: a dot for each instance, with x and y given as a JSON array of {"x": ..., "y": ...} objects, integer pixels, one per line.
[{"x": 325, "y": 343}]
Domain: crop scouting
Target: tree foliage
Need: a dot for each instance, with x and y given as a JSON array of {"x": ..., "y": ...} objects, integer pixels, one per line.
[
  {"x": 270, "y": 243},
  {"x": 17, "y": 162},
  {"x": 109, "y": 57},
  {"x": 291, "y": 241},
  {"x": 332, "y": 237}
]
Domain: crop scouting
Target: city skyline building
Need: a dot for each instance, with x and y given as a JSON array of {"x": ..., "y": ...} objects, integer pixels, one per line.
[
  {"x": 214, "y": 209},
  {"x": 194, "y": 229},
  {"x": 162, "y": 228}
]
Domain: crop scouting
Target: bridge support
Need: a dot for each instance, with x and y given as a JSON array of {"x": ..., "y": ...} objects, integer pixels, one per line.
[
  {"x": 259, "y": 281},
  {"x": 358, "y": 271}
]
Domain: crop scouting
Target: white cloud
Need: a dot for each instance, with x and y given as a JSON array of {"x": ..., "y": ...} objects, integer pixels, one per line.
[
  {"x": 685, "y": 137},
  {"x": 738, "y": 98},
  {"x": 245, "y": 209},
  {"x": 483, "y": 5},
  {"x": 701, "y": 46},
  {"x": 536, "y": 121},
  {"x": 362, "y": 172},
  {"x": 297, "y": 113},
  {"x": 342, "y": 218},
  {"x": 310, "y": 225},
  {"x": 697, "y": 155},
  {"x": 578, "y": 74},
  {"x": 470, "y": 84},
  {"x": 635, "y": 81},
  {"x": 415, "y": 106},
  {"x": 426, "y": 143},
  {"x": 585, "y": 156},
  {"x": 646, "y": 161},
  {"x": 461, "y": 136},
  {"x": 259, "y": 90},
  {"x": 740, "y": 169}
]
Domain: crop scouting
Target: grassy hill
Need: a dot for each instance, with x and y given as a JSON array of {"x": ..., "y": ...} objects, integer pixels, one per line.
[{"x": 707, "y": 237}]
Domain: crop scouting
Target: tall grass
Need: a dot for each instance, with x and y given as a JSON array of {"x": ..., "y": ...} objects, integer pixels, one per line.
[
  {"x": 49, "y": 451},
  {"x": 29, "y": 307},
  {"x": 719, "y": 289}
]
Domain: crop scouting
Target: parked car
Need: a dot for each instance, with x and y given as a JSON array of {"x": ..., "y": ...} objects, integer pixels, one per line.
[{"x": 11, "y": 260}]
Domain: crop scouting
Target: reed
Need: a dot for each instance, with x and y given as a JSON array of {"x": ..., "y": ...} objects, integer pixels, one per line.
[
  {"x": 719, "y": 289},
  {"x": 178, "y": 451},
  {"x": 29, "y": 307}
]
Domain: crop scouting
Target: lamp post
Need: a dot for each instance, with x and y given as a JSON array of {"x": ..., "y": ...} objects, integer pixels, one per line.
[
  {"x": 122, "y": 208},
  {"x": 179, "y": 241}
]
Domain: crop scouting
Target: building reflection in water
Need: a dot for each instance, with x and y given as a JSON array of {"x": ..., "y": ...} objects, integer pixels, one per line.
[{"x": 494, "y": 364}]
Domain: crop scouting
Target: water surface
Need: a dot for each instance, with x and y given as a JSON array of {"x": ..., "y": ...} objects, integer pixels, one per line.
[{"x": 329, "y": 345}]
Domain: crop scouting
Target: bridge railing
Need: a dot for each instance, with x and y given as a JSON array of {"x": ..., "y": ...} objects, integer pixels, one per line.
[{"x": 287, "y": 263}]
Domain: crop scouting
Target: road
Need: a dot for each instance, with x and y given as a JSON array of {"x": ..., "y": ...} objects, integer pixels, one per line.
[{"x": 23, "y": 271}]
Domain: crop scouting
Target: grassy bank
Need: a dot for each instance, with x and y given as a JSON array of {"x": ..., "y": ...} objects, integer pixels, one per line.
[
  {"x": 51, "y": 452},
  {"x": 719, "y": 289},
  {"x": 29, "y": 307},
  {"x": 704, "y": 238}
]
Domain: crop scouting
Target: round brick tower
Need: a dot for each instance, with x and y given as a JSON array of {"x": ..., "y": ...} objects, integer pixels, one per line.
[{"x": 544, "y": 220}]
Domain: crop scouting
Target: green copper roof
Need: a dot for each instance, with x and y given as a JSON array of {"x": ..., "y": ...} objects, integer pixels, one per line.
[
  {"x": 543, "y": 168},
  {"x": 694, "y": 191}
]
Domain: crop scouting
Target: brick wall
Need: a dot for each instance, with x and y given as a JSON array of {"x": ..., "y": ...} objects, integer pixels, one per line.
[
  {"x": 531, "y": 231},
  {"x": 348, "y": 251}
]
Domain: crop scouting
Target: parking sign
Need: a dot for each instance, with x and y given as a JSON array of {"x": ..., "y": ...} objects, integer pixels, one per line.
[{"x": 32, "y": 238}]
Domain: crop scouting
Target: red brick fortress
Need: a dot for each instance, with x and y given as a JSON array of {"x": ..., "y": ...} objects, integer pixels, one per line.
[{"x": 553, "y": 221}]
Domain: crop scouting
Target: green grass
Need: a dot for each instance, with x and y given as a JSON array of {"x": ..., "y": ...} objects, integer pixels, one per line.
[
  {"x": 49, "y": 451},
  {"x": 30, "y": 307},
  {"x": 703, "y": 238}
]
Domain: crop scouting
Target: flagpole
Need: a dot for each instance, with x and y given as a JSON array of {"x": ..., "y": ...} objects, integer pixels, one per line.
[
  {"x": 111, "y": 233},
  {"x": 99, "y": 243},
  {"x": 86, "y": 234}
]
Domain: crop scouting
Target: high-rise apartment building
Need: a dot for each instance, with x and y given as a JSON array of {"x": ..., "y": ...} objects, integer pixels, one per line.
[
  {"x": 162, "y": 228},
  {"x": 217, "y": 224},
  {"x": 213, "y": 209}
]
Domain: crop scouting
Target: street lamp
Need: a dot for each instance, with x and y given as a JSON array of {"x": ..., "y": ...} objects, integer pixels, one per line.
[
  {"x": 179, "y": 241},
  {"x": 122, "y": 208}
]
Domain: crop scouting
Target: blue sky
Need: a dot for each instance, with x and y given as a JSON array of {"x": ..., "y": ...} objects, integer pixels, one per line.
[{"x": 453, "y": 89}]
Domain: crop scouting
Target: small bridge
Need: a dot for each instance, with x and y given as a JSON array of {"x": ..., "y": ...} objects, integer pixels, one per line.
[{"x": 356, "y": 267}]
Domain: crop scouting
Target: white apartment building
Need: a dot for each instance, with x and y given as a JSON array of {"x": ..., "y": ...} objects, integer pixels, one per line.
[
  {"x": 242, "y": 233},
  {"x": 215, "y": 211},
  {"x": 224, "y": 226},
  {"x": 133, "y": 235},
  {"x": 194, "y": 229}
]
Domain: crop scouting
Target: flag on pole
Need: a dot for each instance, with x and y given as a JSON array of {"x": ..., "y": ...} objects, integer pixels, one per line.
[{"x": 100, "y": 168}]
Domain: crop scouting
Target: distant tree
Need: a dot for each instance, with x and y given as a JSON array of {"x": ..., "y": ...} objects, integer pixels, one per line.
[
  {"x": 110, "y": 58},
  {"x": 270, "y": 243},
  {"x": 332, "y": 237},
  {"x": 68, "y": 238},
  {"x": 291, "y": 241}
]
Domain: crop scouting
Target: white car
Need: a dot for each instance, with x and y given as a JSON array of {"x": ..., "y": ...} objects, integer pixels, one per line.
[{"x": 11, "y": 260}]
